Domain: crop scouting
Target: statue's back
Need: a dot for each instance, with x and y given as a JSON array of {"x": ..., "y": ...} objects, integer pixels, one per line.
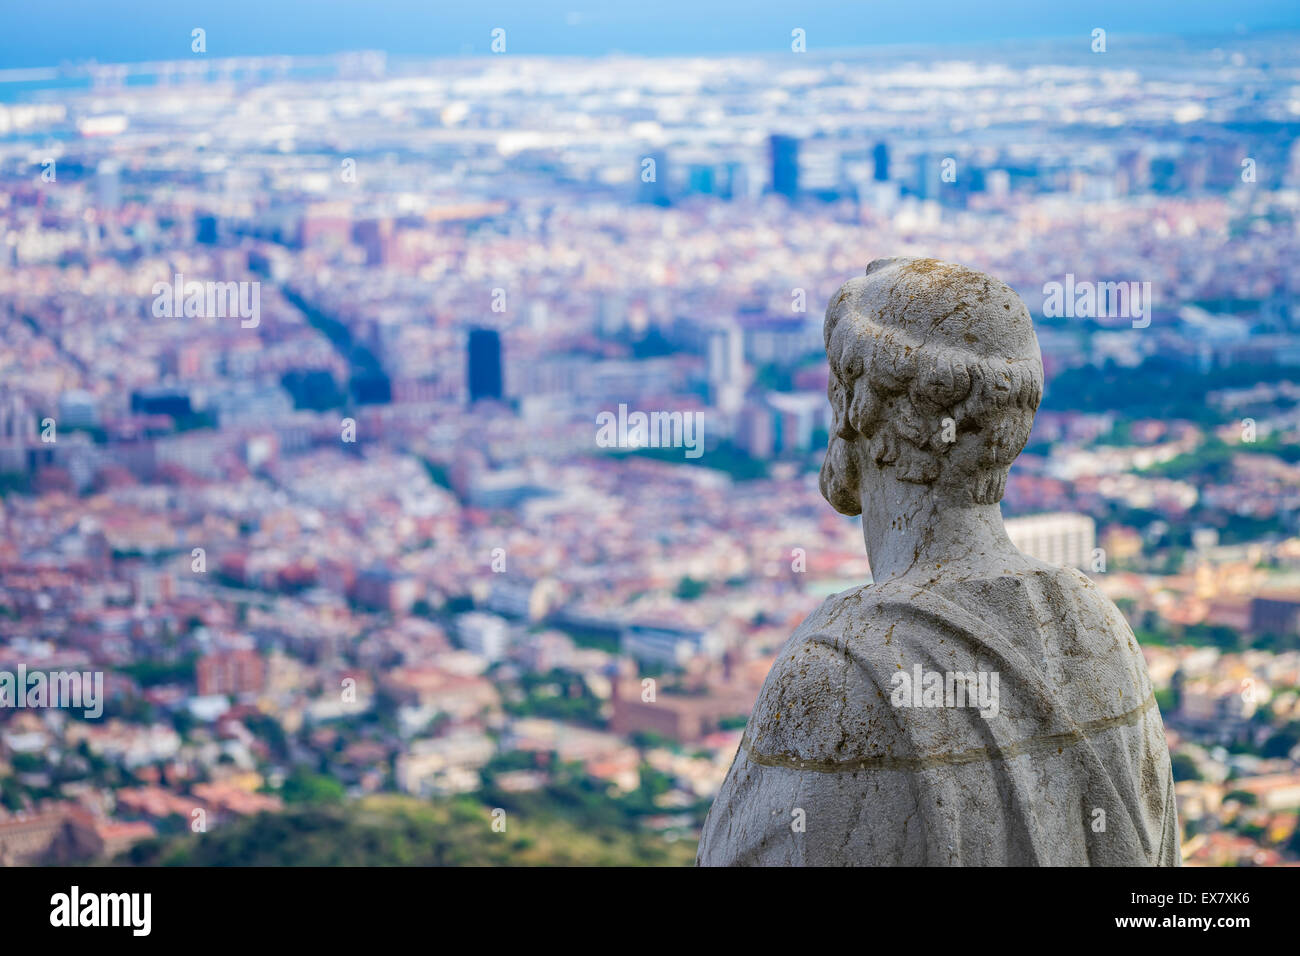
[{"x": 1006, "y": 720}]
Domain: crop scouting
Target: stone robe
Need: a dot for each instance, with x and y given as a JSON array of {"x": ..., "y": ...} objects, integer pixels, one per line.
[{"x": 1072, "y": 771}]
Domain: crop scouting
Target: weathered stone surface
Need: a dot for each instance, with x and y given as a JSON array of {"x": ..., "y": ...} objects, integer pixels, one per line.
[{"x": 1057, "y": 755}]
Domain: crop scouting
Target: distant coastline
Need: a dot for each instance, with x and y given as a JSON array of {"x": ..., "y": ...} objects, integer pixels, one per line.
[{"x": 25, "y": 83}]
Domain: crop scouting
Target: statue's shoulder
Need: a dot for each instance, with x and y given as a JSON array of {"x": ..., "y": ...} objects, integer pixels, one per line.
[
  {"x": 841, "y": 627},
  {"x": 848, "y": 628},
  {"x": 1096, "y": 613},
  {"x": 830, "y": 683}
]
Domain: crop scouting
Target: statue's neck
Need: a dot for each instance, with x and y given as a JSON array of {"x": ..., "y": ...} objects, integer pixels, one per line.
[{"x": 919, "y": 532}]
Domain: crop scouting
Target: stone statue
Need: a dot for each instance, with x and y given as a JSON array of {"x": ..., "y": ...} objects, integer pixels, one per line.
[{"x": 972, "y": 706}]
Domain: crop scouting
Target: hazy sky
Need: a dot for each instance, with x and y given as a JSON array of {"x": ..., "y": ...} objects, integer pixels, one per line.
[{"x": 46, "y": 32}]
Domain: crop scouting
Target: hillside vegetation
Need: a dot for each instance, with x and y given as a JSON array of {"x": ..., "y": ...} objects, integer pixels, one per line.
[{"x": 390, "y": 830}]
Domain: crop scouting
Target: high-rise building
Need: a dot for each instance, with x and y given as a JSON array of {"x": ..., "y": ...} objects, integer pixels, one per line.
[
  {"x": 240, "y": 671},
  {"x": 880, "y": 155},
  {"x": 376, "y": 237},
  {"x": 207, "y": 229},
  {"x": 820, "y": 168},
  {"x": 17, "y": 431},
  {"x": 1062, "y": 538},
  {"x": 77, "y": 409},
  {"x": 785, "y": 165},
  {"x": 704, "y": 178},
  {"x": 108, "y": 185},
  {"x": 17, "y": 422},
  {"x": 928, "y": 176},
  {"x": 484, "y": 375},
  {"x": 727, "y": 370},
  {"x": 483, "y": 634}
]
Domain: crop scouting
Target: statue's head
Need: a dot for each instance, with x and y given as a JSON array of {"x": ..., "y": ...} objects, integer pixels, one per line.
[{"x": 935, "y": 375}]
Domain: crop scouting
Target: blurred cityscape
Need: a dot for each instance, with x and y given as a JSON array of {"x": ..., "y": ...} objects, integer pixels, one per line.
[{"x": 394, "y": 432}]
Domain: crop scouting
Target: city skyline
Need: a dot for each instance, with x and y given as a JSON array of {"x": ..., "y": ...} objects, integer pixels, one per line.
[{"x": 378, "y": 426}]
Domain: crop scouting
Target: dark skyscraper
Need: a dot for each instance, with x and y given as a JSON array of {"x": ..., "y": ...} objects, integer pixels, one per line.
[
  {"x": 881, "y": 155},
  {"x": 785, "y": 165},
  {"x": 206, "y": 229},
  {"x": 484, "y": 364}
]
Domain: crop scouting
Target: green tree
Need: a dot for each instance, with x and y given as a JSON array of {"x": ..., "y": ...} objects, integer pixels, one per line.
[{"x": 303, "y": 786}]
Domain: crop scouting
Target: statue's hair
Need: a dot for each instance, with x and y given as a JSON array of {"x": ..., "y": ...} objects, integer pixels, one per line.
[{"x": 890, "y": 396}]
